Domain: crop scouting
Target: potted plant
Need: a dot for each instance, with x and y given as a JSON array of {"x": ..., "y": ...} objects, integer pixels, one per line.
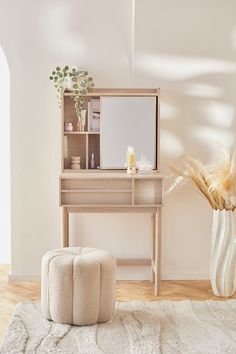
[
  {"x": 217, "y": 183},
  {"x": 75, "y": 80}
]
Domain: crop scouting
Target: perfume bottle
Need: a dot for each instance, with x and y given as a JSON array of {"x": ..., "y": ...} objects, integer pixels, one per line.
[
  {"x": 92, "y": 162},
  {"x": 131, "y": 160}
]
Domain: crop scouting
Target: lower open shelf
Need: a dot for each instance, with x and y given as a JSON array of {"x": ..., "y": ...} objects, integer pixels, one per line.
[
  {"x": 99, "y": 190},
  {"x": 96, "y": 198},
  {"x": 85, "y": 147}
]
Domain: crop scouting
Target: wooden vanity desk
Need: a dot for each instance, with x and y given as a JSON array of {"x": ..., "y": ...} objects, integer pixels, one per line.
[{"x": 110, "y": 191}]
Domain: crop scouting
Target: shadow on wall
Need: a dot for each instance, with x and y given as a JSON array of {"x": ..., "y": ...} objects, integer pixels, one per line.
[
  {"x": 5, "y": 228},
  {"x": 190, "y": 54},
  {"x": 196, "y": 114},
  {"x": 192, "y": 123},
  {"x": 197, "y": 118}
]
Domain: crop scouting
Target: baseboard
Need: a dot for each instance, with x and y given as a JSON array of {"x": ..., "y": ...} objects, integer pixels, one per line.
[
  {"x": 23, "y": 277},
  {"x": 184, "y": 276},
  {"x": 144, "y": 273},
  {"x": 134, "y": 273},
  {"x": 125, "y": 273}
]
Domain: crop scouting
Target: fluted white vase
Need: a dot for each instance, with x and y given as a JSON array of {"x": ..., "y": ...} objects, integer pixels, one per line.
[{"x": 223, "y": 253}]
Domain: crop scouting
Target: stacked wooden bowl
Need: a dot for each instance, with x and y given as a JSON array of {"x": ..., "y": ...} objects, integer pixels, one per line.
[{"x": 75, "y": 163}]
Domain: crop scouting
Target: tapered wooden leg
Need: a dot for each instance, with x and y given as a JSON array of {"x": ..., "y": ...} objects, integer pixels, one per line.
[
  {"x": 153, "y": 246},
  {"x": 65, "y": 228},
  {"x": 158, "y": 253}
]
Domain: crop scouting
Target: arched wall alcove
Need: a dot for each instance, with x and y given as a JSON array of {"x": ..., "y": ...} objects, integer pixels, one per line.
[{"x": 5, "y": 195}]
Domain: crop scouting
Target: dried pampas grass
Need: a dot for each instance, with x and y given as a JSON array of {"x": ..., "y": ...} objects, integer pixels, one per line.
[{"x": 217, "y": 182}]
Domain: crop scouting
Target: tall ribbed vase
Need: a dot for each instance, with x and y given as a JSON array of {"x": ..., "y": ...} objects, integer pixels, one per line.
[{"x": 223, "y": 253}]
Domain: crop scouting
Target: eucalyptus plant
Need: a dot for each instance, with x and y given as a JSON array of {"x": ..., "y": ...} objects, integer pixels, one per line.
[
  {"x": 59, "y": 76},
  {"x": 80, "y": 84}
]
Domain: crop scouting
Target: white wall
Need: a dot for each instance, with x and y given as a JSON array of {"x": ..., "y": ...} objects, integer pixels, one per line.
[
  {"x": 185, "y": 47},
  {"x": 5, "y": 184}
]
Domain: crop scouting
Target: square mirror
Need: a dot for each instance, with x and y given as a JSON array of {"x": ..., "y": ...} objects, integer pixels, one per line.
[{"x": 127, "y": 121}]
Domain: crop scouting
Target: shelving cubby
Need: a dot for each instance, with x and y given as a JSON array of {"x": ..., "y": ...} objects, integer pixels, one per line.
[{"x": 80, "y": 143}]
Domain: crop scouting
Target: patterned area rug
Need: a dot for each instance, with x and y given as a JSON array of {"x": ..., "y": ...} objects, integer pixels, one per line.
[{"x": 189, "y": 327}]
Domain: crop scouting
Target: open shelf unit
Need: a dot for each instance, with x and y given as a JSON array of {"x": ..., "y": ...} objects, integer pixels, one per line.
[
  {"x": 84, "y": 144},
  {"x": 79, "y": 143}
]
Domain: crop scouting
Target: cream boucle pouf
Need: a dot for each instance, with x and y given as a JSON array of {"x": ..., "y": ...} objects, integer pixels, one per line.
[{"x": 78, "y": 285}]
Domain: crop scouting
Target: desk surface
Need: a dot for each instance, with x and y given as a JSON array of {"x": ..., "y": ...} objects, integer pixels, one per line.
[{"x": 108, "y": 174}]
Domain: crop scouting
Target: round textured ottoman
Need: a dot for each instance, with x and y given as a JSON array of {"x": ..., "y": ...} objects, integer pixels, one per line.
[{"x": 78, "y": 285}]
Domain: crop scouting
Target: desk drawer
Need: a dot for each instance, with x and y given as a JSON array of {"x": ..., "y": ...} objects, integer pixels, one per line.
[
  {"x": 96, "y": 184},
  {"x": 89, "y": 197}
]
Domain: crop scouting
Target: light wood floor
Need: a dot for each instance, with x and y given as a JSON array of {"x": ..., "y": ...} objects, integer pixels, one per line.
[{"x": 12, "y": 293}]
